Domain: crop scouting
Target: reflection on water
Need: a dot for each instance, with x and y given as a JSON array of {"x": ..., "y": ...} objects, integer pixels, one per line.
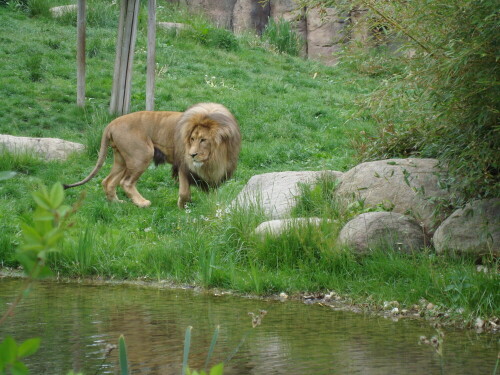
[{"x": 76, "y": 322}]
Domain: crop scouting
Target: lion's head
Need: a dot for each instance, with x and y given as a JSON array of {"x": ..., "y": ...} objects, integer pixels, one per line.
[{"x": 211, "y": 143}]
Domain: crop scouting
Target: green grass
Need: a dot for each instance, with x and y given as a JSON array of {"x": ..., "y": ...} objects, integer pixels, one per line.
[{"x": 294, "y": 115}]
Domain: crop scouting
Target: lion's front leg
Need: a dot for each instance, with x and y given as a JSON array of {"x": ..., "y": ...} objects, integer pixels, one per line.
[{"x": 184, "y": 191}]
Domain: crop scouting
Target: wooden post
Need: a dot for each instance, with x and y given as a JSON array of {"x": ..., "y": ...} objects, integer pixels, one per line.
[
  {"x": 113, "y": 106},
  {"x": 151, "y": 64},
  {"x": 122, "y": 78},
  {"x": 80, "y": 54}
]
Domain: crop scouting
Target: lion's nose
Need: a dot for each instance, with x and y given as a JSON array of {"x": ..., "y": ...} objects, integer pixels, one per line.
[{"x": 194, "y": 154}]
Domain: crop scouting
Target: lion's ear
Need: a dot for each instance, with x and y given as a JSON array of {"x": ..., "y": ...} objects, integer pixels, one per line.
[{"x": 225, "y": 128}]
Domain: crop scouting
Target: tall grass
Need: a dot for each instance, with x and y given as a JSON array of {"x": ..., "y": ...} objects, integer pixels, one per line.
[{"x": 280, "y": 34}]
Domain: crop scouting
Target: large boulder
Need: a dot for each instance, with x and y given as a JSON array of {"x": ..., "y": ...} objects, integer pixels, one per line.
[
  {"x": 406, "y": 186},
  {"x": 63, "y": 9},
  {"x": 473, "y": 229},
  {"x": 278, "y": 226},
  {"x": 47, "y": 148},
  {"x": 382, "y": 229},
  {"x": 276, "y": 192}
]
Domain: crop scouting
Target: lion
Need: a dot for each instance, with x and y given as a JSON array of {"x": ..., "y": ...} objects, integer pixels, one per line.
[{"x": 202, "y": 144}]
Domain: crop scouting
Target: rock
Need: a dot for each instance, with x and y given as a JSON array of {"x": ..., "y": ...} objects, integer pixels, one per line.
[
  {"x": 323, "y": 31},
  {"x": 250, "y": 15},
  {"x": 407, "y": 186},
  {"x": 63, "y": 9},
  {"x": 48, "y": 148},
  {"x": 360, "y": 29},
  {"x": 219, "y": 11},
  {"x": 276, "y": 192},
  {"x": 277, "y": 227},
  {"x": 325, "y": 34},
  {"x": 472, "y": 229},
  {"x": 386, "y": 229},
  {"x": 172, "y": 26}
]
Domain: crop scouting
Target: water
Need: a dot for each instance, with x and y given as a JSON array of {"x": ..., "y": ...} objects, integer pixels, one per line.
[{"x": 76, "y": 321}]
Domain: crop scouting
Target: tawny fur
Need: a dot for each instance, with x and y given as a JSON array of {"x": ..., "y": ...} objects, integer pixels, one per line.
[{"x": 202, "y": 144}]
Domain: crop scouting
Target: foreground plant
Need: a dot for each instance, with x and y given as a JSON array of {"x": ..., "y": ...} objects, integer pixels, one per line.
[
  {"x": 41, "y": 236},
  {"x": 217, "y": 369}
]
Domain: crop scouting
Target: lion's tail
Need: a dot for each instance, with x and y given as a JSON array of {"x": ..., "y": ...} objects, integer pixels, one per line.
[{"x": 100, "y": 160}]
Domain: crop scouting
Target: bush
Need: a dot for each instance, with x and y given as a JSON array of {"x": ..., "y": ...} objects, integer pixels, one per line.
[
  {"x": 442, "y": 101},
  {"x": 210, "y": 36},
  {"x": 281, "y": 35}
]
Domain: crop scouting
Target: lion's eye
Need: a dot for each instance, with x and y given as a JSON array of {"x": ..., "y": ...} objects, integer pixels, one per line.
[{"x": 192, "y": 139}]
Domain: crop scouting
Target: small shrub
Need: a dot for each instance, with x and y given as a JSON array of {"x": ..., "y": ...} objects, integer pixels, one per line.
[
  {"x": 39, "y": 8},
  {"x": 211, "y": 36},
  {"x": 281, "y": 35},
  {"x": 223, "y": 39}
]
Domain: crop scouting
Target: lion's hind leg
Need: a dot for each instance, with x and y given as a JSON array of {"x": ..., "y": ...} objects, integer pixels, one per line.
[
  {"x": 135, "y": 167},
  {"x": 111, "y": 182}
]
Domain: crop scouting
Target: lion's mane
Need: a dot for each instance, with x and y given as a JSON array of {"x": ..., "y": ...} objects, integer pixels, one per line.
[{"x": 226, "y": 138}]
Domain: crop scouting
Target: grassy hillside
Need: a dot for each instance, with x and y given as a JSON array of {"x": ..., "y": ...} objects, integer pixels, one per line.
[{"x": 293, "y": 114}]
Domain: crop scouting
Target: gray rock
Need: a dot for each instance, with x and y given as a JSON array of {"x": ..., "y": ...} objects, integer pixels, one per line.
[
  {"x": 219, "y": 11},
  {"x": 407, "y": 186},
  {"x": 276, "y": 192},
  {"x": 47, "y": 148},
  {"x": 172, "y": 26},
  {"x": 386, "y": 229},
  {"x": 250, "y": 15},
  {"x": 326, "y": 34},
  {"x": 323, "y": 32},
  {"x": 63, "y": 9},
  {"x": 277, "y": 227},
  {"x": 472, "y": 229}
]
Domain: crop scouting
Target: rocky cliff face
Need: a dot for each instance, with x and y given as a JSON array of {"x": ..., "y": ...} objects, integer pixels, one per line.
[{"x": 324, "y": 32}]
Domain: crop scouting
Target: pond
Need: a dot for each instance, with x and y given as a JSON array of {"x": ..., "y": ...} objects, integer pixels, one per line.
[{"x": 77, "y": 321}]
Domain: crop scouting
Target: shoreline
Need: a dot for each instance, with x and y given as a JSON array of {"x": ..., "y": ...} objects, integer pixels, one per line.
[{"x": 425, "y": 311}]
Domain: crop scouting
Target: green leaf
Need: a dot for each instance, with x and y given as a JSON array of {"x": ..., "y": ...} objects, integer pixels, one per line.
[
  {"x": 123, "y": 356},
  {"x": 217, "y": 369},
  {"x": 42, "y": 200},
  {"x": 53, "y": 237},
  {"x": 187, "y": 344},
  {"x": 43, "y": 226},
  {"x": 19, "y": 368},
  {"x": 43, "y": 215},
  {"x": 33, "y": 248},
  {"x": 27, "y": 260},
  {"x": 31, "y": 234},
  {"x": 28, "y": 347},
  {"x": 56, "y": 195},
  {"x": 42, "y": 273},
  {"x": 63, "y": 210},
  {"x": 8, "y": 350},
  {"x": 212, "y": 346}
]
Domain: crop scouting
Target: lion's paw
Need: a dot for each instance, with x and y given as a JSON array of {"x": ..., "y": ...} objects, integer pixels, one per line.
[{"x": 144, "y": 203}]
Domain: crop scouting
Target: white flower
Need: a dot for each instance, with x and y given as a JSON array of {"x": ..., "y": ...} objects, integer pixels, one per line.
[{"x": 148, "y": 229}]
